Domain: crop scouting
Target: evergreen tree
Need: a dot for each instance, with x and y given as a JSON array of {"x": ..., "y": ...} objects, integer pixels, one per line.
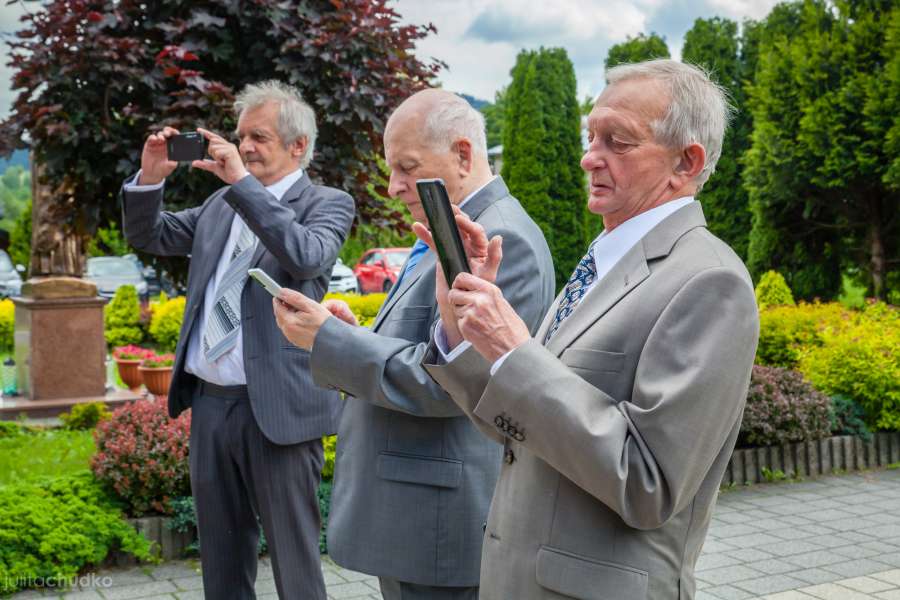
[
  {"x": 542, "y": 150},
  {"x": 494, "y": 118},
  {"x": 637, "y": 49}
]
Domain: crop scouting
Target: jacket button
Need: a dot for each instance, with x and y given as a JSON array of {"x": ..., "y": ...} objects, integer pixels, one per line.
[{"x": 509, "y": 456}]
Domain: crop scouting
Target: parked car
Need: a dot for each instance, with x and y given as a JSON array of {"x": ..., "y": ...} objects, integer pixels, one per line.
[
  {"x": 156, "y": 283},
  {"x": 10, "y": 276},
  {"x": 110, "y": 273},
  {"x": 378, "y": 269},
  {"x": 342, "y": 279}
]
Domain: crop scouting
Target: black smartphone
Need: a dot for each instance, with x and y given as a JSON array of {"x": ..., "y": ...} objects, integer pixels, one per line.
[
  {"x": 442, "y": 223},
  {"x": 186, "y": 147}
]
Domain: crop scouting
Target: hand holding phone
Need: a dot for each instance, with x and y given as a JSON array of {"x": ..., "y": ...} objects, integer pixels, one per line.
[
  {"x": 267, "y": 282},
  {"x": 444, "y": 231},
  {"x": 186, "y": 147}
]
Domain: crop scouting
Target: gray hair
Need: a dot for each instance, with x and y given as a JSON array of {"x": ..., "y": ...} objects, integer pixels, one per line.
[
  {"x": 698, "y": 110},
  {"x": 296, "y": 118},
  {"x": 452, "y": 118}
]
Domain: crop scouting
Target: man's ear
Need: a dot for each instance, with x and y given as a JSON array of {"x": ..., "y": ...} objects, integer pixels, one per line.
[
  {"x": 299, "y": 146},
  {"x": 462, "y": 148},
  {"x": 688, "y": 165}
]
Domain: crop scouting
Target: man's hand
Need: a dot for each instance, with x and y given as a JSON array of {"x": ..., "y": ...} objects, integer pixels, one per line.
[
  {"x": 299, "y": 317},
  {"x": 341, "y": 310},
  {"x": 484, "y": 260},
  {"x": 225, "y": 161},
  {"x": 155, "y": 163},
  {"x": 485, "y": 318}
]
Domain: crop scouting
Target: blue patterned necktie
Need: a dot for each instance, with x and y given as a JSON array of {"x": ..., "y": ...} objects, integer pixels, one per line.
[
  {"x": 418, "y": 251},
  {"x": 577, "y": 286}
]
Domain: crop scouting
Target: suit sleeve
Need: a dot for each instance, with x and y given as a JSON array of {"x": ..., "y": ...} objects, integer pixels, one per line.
[
  {"x": 644, "y": 457},
  {"x": 305, "y": 250},
  {"x": 388, "y": 371},
  {"x": 149, "y": 228}
]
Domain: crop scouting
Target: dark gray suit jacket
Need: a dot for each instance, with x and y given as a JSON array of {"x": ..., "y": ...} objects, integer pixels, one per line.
[
  {"x": 299, "y": 240},
  {"x": 413, "y": 477}
]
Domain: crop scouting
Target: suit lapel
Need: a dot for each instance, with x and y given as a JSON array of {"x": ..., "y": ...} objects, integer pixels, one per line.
[
  {"x": 291, "y": 196},
  {"x": 425, "y": 263}
]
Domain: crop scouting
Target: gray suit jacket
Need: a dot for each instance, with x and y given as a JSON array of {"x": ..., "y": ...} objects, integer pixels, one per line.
[
  {"x": 620, "y": 429},
  {"x": 413, "y": 477},
  {"x": 299, "y": 240}
]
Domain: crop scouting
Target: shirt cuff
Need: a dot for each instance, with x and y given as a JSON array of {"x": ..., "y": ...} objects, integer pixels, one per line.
[
  {"x": 440, "y": 340},
  {"x": 134, "y": 187},
  {"x": 499, "y": 362}
]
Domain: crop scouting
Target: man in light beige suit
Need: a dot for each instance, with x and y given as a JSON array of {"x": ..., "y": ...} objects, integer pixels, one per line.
[{"x": 619, "y": 416}]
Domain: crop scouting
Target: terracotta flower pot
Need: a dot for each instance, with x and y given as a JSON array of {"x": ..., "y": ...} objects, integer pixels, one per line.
[
  {"x": 129, "y": 373},
  {"x": 157, "y": 379}
]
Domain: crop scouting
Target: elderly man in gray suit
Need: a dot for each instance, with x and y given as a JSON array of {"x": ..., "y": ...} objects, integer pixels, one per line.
[
  {"x": 414, "y": 478},
  {"x": 622, "y": 412},
  {"x": 257, "y": 417}
]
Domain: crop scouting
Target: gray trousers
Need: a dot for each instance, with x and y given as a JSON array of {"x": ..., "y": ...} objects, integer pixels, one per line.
[
  {"x": 239, "y": 476},
  {"x": 391, "y": 589}
]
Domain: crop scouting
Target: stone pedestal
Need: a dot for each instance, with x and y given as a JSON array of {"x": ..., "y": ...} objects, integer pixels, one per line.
[{"x": 60, "y": 349}]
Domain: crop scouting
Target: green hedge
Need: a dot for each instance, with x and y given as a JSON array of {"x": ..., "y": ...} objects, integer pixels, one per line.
[{"x": 122, "y": 318}]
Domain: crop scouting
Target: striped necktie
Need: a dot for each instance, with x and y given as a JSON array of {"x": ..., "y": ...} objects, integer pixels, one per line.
[
  {"x": 577, "y": 286},
  {"x": 224, "y": 320}
]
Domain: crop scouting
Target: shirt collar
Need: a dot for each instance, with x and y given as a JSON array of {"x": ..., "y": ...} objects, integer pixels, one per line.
[
  {"x": 280, "y": 187},
  {"x": 472, "y": 195}
]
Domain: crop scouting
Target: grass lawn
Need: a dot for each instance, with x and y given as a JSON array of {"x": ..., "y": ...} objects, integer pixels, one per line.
[{"x": 30, "y": 456}]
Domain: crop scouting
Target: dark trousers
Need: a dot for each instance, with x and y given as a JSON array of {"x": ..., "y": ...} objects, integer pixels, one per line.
[
  {"x": 392, "y": 589},
  {"x": 239, "y": 476}
]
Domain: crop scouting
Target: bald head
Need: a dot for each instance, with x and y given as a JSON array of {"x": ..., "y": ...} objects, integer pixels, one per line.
[{"x": 442, "y": 118}]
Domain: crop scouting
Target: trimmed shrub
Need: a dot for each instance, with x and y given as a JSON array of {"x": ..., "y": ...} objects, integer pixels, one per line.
[
  {"x": 85, "y": 416},
  {"x": 142, "y": 455},
  {"x": 165, "y": 324},
  {"x": 782, "y": 407},
  {"x": 848, "y": 418},
  {"x": 860, "y": 359},
  {"x": 364, "y": 307},
  {"x": 51, "y": 530},
  {"x": 7, "y": 324},
  {"x": 329, "y": 444},
  {"x": 122, "y": 318},
  {"x": 773, "y": 290},
  {"x": 785, "y": 331}
]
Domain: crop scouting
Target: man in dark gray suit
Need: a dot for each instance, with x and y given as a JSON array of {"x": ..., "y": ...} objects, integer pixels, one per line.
[
  {"x": 257, "y": 417},
  {"x": 414, "y": 478}
]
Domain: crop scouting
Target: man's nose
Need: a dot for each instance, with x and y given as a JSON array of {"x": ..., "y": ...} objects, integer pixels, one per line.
[
  {"x": 591, "y": 160},
  {"x": 396, "y": 185},
  {"x": 246, "y": 146}
]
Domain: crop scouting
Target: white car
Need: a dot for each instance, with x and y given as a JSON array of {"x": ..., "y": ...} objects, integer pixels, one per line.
[{"x": 342, "y": 279}]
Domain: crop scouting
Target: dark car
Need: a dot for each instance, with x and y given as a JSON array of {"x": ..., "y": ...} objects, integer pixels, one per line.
[
  {"x": 110, "y": 273},
  {"x": 10, "y": 276},
  {"x": 378, "y": 268}
]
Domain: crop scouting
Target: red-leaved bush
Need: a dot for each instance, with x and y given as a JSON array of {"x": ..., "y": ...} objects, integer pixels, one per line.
[
  {"x": 782, "y": 407},
  {"x": 143, "y": 455}
]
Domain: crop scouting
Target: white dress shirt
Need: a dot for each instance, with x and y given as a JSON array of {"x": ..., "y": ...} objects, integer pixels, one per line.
[
  {"x": 609, "y": 249},
  {"x": 229, "y": 368}
]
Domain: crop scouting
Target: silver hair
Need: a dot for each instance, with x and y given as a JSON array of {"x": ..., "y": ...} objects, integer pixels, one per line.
[
  {"x": 698, "y": 110},
  {"x": 452, "y": 118},
  {"x": 296, "y": 118}
]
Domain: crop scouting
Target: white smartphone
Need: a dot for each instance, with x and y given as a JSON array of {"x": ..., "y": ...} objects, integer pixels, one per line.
[{"x": 267, "y": 282}]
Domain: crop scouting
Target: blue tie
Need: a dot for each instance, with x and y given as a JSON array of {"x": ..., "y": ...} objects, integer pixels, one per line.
[
  {"x": 418, "y": 251},
  {"x": 578, "y": 285}
]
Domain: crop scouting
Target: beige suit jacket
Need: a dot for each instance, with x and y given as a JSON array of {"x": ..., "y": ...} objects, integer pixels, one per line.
[{"x": 616, "y": 433}]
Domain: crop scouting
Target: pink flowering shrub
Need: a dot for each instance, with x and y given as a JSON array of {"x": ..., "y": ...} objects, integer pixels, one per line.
[
  {"x": 782, "y": 407},
  {"x": 142, "y": 455}
]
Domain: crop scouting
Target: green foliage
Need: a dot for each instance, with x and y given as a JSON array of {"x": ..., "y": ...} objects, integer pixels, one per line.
[
  {"x": 9, "y": 429},
  {"x": 495, "y": 118},
  {"x": 785, "y": 332},
  {"x": 775, "y": 476},
  {"x": 364, "y": 307},
  {"x": 7, "y": 324},
  {"x": 860, "y": 359},
  {"x": 32, "y": 455},
  {"x": 324, "y": 495},
  {"x": 53, "y": 529},
  {"x": 773, "y": 290},
  {"x": 817, "y": 171},
  {"x": 15, "y": 193},
  {"x": 108, "y": 241},
  {"x": 20, "y": 238},
  {"x": 122, "y": 317},
  {"x": 329, "y": 444},
  {"x": 848, "y": 418},
  {"x": 85, "y": 416},
  {"x": 637, "y": 49},
  {"x": 165, "y": 324},
  {"x": 542, "y": 152}
]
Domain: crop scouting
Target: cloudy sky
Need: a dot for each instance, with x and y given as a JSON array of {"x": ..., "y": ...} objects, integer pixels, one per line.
[{"x": 479, "y": 39}]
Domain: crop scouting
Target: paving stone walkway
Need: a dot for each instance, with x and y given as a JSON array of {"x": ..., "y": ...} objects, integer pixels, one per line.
[{"x": 833, "y": 538}]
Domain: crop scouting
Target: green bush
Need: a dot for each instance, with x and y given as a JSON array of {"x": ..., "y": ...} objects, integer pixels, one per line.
[
  {"x": 773, "y": 290},
  {"x": 122, "y": 318},
  {"x": 51, "y": 530},
  {"x": 7, "y": 324},
  {"x": 785, "y": 331},
  {"x": 329, "y": 443},
  {"x": 165, "y": 324},
  {"x": 848, "y": 418},
  {"x": 9, "y": 429},
  {"x": 36, "y": 454},
  {"x": 860, "y": 358},
  {"x": 364, "y": 307},
  {"x": 85, "y": 416},
  {"x": 20, "y": 239}
]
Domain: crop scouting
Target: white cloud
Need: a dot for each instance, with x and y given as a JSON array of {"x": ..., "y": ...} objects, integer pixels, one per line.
[
  {"x": 741, "y": 9},
  {"x": 9, "y": 22}
]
